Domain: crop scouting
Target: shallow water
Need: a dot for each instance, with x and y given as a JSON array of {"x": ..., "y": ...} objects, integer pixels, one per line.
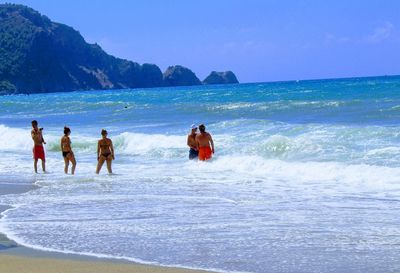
[{"x": 305, "y": 176}]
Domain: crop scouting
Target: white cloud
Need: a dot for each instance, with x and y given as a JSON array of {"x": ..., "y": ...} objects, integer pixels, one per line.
[
  {"x": 333, "y": 39},
  {"x": 381, "y": 33}
]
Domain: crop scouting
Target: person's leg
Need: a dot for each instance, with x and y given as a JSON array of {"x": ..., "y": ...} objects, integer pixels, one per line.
[
  {"x": 35, "y": 164},
  {"x": 66, "y": 164},
  {"x": 44, "y": 165},
  {"x": 109, "y": 160},
  {"x": 100, "y": 164},
  {"x": 73, "y": 161}
]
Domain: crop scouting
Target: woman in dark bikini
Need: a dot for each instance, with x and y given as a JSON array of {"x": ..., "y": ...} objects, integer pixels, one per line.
[
  {"x": 105, "y": 152},
  {"x": 67, "y": 151}
]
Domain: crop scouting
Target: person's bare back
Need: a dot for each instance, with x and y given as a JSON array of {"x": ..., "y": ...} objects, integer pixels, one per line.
[
  {"x": 203, "y": 139},
  {"x": 205, "y": 144}
]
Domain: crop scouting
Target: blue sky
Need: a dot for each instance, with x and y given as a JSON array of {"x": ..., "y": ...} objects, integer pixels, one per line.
[{"x": 259, "y": 40}]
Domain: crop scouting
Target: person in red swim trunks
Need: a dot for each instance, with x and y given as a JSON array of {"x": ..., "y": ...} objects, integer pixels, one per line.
[
  {"x": 38, "y": 150},
  {"x": 203, "y": 141}
]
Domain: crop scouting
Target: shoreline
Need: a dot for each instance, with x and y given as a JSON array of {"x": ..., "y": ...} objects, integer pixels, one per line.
[{"x": 16, "y": 258}]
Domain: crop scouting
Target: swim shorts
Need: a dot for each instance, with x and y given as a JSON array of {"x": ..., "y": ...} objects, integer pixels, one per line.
[
  {"x": 205, "y": 153},
  {"x": 38, "y": 152},
  {"x": 193, "y": 153}
]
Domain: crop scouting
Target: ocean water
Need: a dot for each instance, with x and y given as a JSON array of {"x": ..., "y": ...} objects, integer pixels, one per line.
[{"x": 306, "y": 176}]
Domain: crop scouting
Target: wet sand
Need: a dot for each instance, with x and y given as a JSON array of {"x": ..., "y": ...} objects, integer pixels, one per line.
[{"x": 22, "y": 264}]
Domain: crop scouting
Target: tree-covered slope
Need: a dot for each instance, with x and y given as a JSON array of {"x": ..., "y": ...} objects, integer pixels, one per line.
[{"x": 38, "y": 55}]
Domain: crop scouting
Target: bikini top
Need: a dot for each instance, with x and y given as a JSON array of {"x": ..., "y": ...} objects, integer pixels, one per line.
[{"x": 104, "y": 144}]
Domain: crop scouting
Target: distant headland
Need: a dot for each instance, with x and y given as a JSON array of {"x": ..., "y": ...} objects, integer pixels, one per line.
[{"x": 38, "y": 55}]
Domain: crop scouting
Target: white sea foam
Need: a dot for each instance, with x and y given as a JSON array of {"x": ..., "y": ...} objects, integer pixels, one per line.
[
  {"x": 20, "y": 241},
  {"x": 171, "y": 205},
  {"x": 131, "y": 143},
  {"x": 126, "y": 143},
  {"x": 269, "y": 186},
  {"x": 269, "y": 140},
  {"x": 16, "y": 139}
]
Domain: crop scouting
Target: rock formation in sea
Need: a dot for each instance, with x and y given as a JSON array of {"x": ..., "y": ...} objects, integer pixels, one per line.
[
  {"x": 220, "y": 78},
  {"x": 178, "y": 75}
]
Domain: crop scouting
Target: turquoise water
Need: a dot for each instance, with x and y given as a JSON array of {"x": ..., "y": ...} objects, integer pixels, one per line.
[{"x": 305, "y": 176}]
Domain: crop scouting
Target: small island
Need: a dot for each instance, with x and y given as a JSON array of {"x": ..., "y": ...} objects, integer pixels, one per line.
[
  {"x": 226, "y": 77},
  {"x": 180, "y": 76}
]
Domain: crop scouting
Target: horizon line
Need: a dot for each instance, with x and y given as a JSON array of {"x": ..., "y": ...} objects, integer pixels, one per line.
[{"x": 324, "y": 79}]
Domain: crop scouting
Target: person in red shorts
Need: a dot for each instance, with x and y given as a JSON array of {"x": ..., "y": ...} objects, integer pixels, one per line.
[
  {"x": 38, "y": 150},
  {"x": 203, "y": 141}
]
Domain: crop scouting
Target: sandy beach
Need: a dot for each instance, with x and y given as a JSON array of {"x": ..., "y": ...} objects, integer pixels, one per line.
[
  {"x": 21, "y": 264},
  {"x": 19, "y": 259}
]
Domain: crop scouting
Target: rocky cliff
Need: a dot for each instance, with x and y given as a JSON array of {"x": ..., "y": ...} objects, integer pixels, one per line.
[{"x": 38, "y": 55}]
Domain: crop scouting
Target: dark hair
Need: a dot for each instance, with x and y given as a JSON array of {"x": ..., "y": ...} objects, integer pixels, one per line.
[
  {"x": 202, "y": 128},
  {"x": 103, "y": 132},
  {"x": 34, "y": 122},
  {"x": 66, "y": 130}
]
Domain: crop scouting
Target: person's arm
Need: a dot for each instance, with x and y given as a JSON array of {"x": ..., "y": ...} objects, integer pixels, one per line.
[
  {"x": 69, "y": 144},
  {"x": 112, "y": 149},
  {"x": 212, "y": 143},
  {"x": 61, "y": 144},
  {"x": 41, "y": 135},
  {"x": 98, "y": 150},
  {"x": 188, "y": 142},
  {"x": 197, "y": 143}
]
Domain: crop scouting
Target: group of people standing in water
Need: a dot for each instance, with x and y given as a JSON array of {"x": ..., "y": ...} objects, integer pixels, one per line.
[
  {"x": 201, "y": 146},
  {"x": 105, "y": 150}
]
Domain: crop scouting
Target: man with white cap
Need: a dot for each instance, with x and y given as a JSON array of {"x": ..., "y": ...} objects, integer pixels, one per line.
[{"x": 191, "y": 142}]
